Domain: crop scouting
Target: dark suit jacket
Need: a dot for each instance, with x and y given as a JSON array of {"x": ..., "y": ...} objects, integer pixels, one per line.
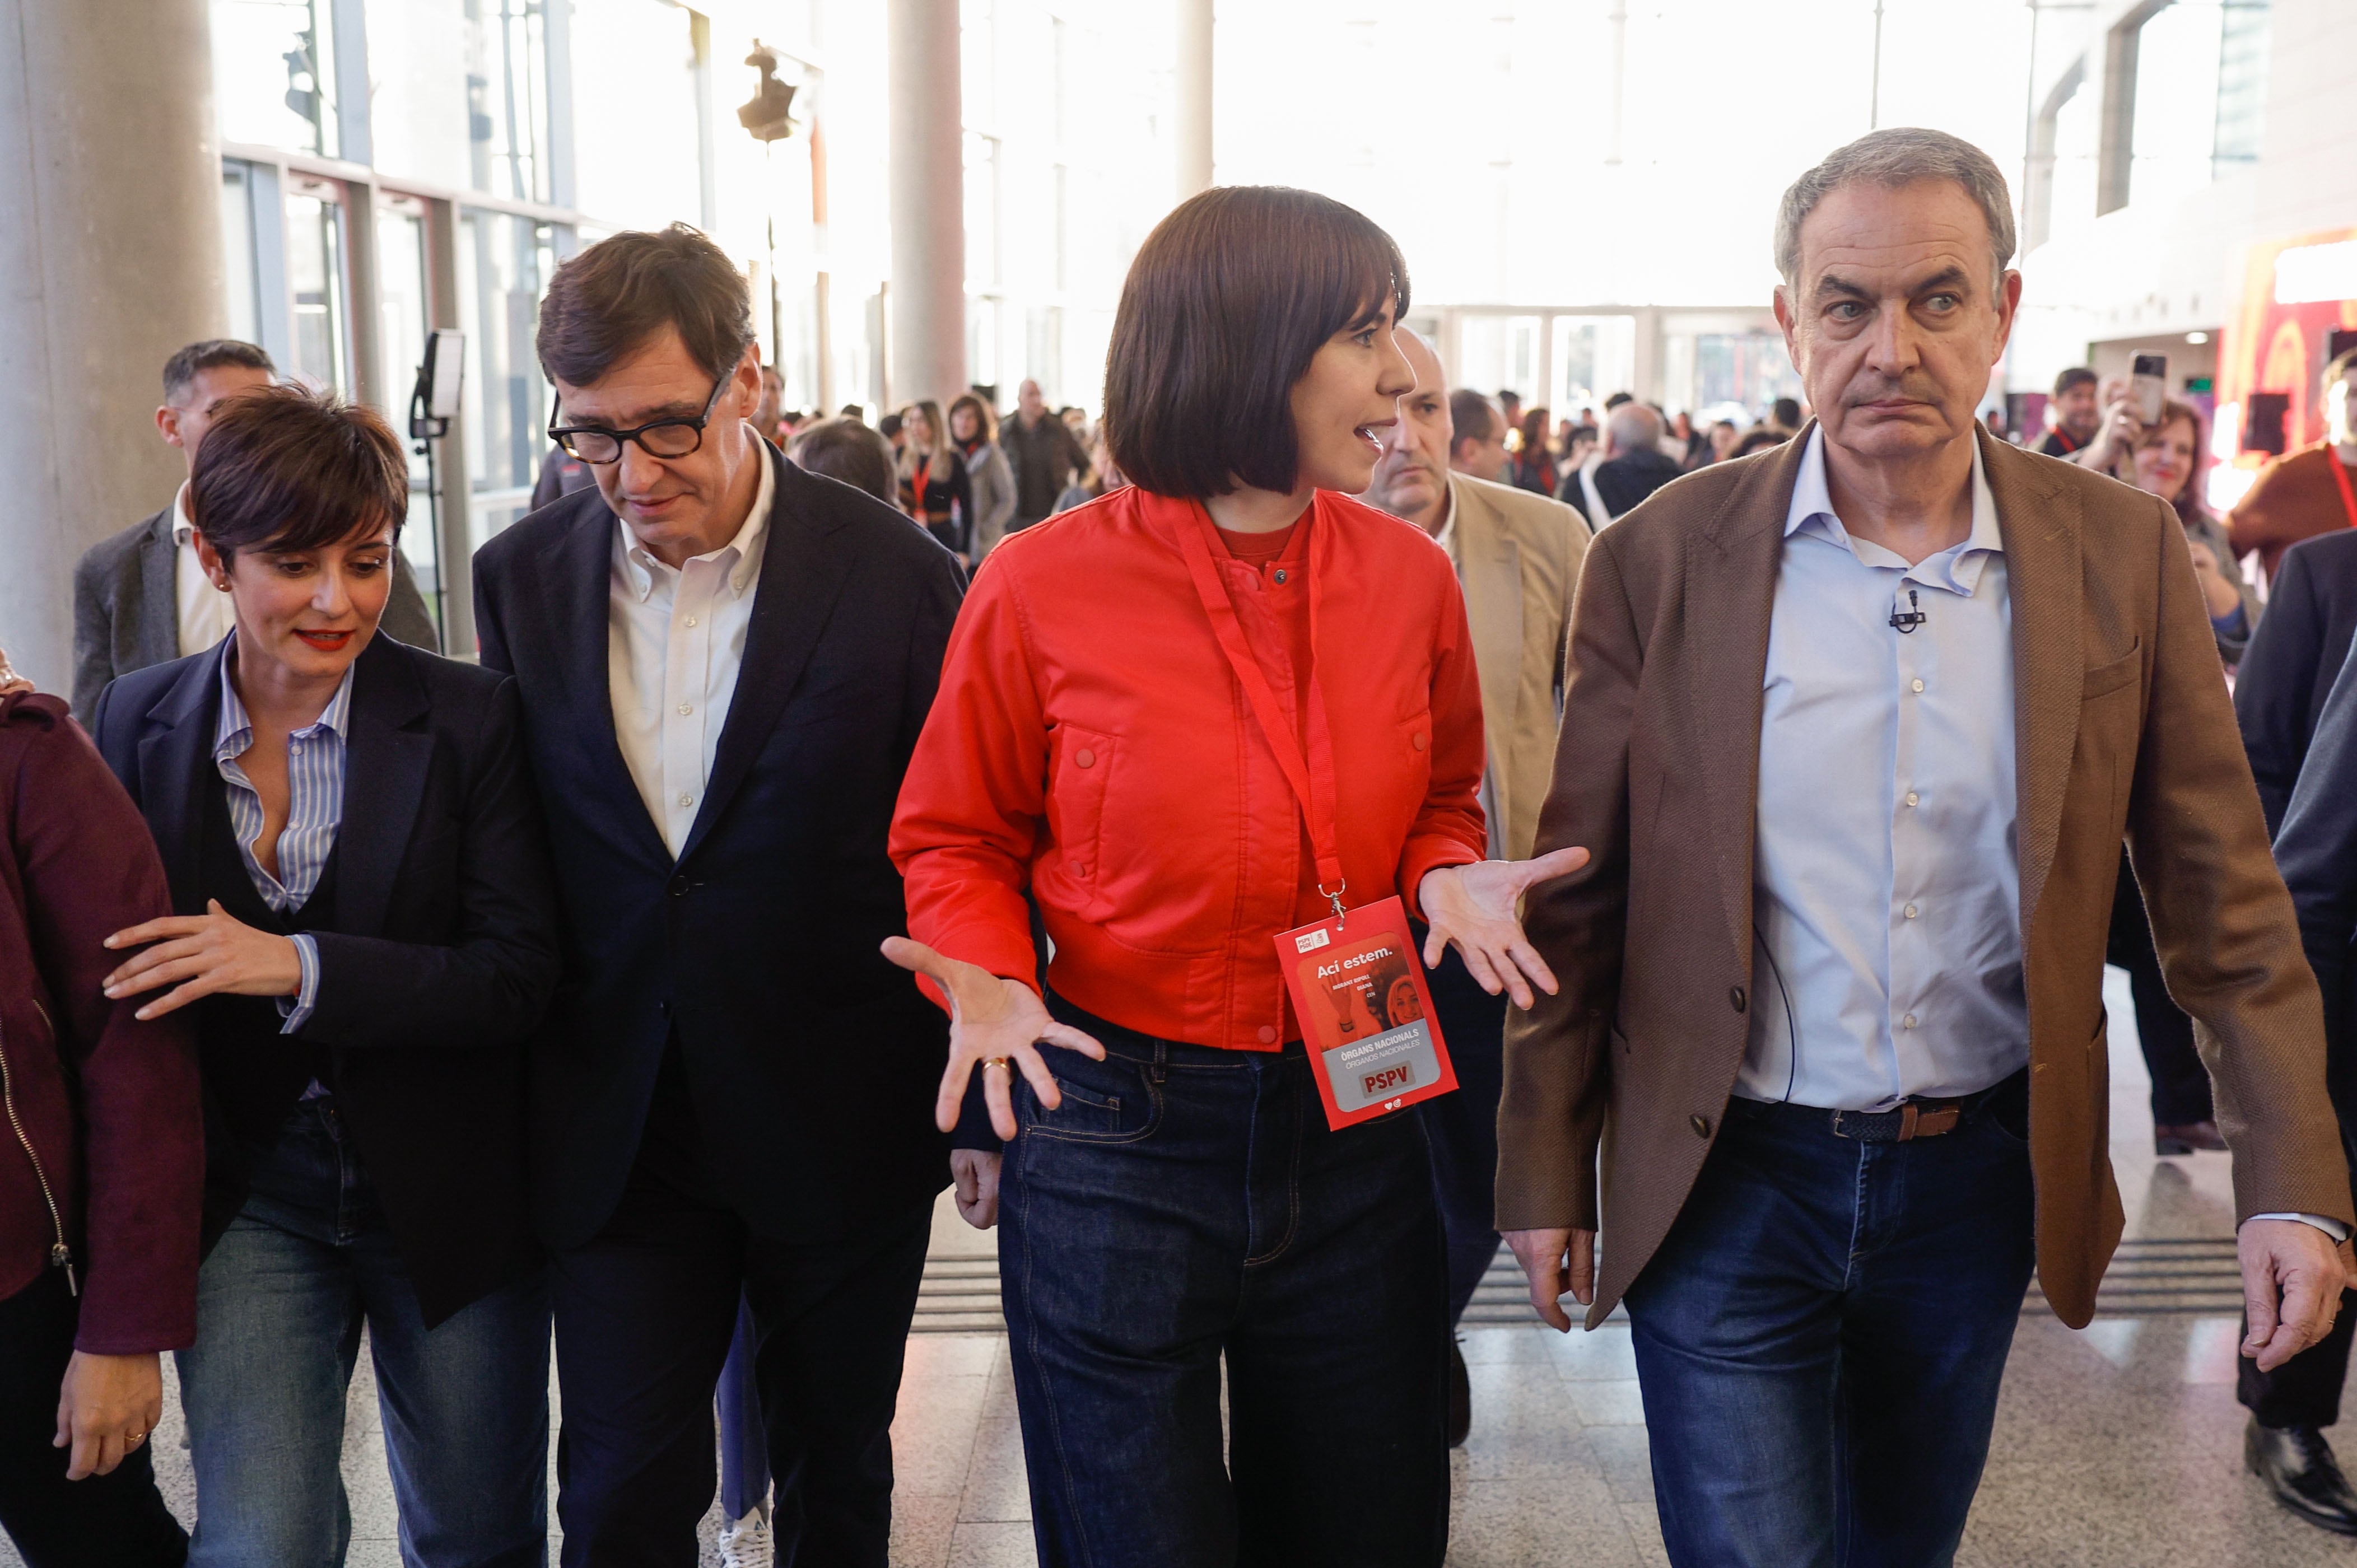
[
  {"x": 2122, "y": 730},
  {"x": 2294, "y": 657},
  {"x": 127, "y": 607},
  {"x": 2316, "y": 850},
  {"x": 439, "y": 959},
  {"x": 813, "y": 1061}
]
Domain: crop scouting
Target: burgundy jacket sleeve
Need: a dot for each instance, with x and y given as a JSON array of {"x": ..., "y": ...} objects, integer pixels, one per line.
[{"x": 88, "y": 869}]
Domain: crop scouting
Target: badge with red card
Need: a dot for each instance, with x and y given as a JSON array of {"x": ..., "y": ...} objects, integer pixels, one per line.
[{"x": 1357, "y": 983}]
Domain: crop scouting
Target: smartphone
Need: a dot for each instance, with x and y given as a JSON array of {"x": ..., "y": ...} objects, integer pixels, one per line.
[{"x": 2147, "y": 384}]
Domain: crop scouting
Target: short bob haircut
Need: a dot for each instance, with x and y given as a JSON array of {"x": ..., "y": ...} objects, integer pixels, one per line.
[
  {"x": 284, "y": 469},
  {"x": 847, "y": 450},
  {"x": 1229, "y": 300}
]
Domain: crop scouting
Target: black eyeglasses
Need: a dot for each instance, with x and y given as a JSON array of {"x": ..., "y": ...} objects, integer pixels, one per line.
[{"x": 657, "y": 438}]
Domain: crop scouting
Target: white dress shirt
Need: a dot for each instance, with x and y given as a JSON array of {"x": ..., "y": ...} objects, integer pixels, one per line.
[
  {"x": 675, "y": 641},
  {"x": 206, "y": 613},
  {"x": 1886, "y": 883}
]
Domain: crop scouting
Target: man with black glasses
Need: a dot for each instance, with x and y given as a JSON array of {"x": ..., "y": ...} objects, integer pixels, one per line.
[{"x": 724, "y": 662}]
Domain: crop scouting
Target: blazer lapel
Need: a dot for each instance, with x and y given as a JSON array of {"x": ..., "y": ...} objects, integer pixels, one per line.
[
  {"x": 799, "y": 580},
  {"x": 581, "y": 562},
  {"x": 2039, "y": 524},
  {"x": 1729, "y": 602},
  {"x": 175, "y": 753},
  {"x": 1490, "y": 567},
  {"x": 159, "y": 590},
  {"x": 385, "y": 764}
]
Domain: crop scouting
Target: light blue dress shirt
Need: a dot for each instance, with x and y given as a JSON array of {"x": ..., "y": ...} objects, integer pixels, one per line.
[
  {"x": 315, "y": 787},
  {"x": 1887, "y": 889}
]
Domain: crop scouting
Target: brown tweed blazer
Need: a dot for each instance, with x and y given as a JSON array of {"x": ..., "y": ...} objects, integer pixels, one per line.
[{"x": 2122, "y": 728}]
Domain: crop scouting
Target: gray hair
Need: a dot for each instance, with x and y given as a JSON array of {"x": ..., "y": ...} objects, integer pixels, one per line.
[
  {"x": 1633, "y": 425},
  {"x": 1893, "y": 158}
]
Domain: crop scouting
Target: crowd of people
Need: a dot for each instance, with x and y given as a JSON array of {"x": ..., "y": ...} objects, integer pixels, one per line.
[{"x": 836, "y": 813}]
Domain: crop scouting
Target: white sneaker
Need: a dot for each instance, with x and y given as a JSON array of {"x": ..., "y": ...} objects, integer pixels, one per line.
[{"x": 745, "y": 1543}]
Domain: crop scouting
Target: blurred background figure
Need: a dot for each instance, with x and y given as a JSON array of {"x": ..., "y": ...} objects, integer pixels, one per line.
[
  {"x": 1042, "y": 453},
  {"x": 934, "y": 489},
  {"x": 974, "y": 429},
  {"x": 1533, "y": 468},
  {"x": 2075, "y": 413},
  {"x": 2309, "y": 492},
  {"x": 847, "y": 450},
  {"x": 1477, "y": 445}
]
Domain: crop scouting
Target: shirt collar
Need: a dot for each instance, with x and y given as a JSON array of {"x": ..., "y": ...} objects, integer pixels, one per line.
[
  {"x": 183, "y": 525},
  {"x": 1448, "y": 533},
  {"x": 234, "y": 733},
  {"x": 1956, "y": 568},
  {"x": 743, "y": 565}
]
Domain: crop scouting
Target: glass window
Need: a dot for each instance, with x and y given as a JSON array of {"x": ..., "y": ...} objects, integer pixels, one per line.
[
  {"x": 418, "y": 61},
  {"x": 644, "y": 169},
  {"x": 2077, "y": 136},
  {"x": 237, "y": 251},
  {"x": 507, "y": 97},
  {"x": 2242, "y": 84},
  {"x": 504, "y": 264},
  {"x": 321, "y": 354},
  {"x": 401, "y": 323},
  {"x": 274, "y": 73},
  {"x": 2176, "y": 101}
]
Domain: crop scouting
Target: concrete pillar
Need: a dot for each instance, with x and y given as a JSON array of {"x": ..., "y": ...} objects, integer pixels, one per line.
[
  {"x": 928, "y": 173},
  {"x": 1191, "y": 117},
  {"x": 110, "y": 175}
]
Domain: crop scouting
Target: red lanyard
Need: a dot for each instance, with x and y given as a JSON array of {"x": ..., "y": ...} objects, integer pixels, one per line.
[
  {"x": 2340, "y": 476},
  {"x": 1311, "y": 777}
]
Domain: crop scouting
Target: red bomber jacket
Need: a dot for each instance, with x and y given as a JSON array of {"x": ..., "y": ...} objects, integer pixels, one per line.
[
  {"x": 102, "y": 1145},
  {"x": 1090, "y": 742}
]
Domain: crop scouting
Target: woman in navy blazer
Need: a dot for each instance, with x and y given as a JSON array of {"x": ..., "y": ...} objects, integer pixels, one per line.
[{"x": 365, "y": 929}]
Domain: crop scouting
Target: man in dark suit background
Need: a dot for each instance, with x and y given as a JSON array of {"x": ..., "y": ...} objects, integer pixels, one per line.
[
  {"x": 724, "y": 661},
  {"x": 140, "y": 598},
  {"x": 2295, "y": 656}
]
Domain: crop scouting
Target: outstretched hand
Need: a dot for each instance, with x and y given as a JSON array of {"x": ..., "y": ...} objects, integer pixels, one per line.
[
  {"x": 1478, "y": 908},
  {"x": 996, "y": 1022}
]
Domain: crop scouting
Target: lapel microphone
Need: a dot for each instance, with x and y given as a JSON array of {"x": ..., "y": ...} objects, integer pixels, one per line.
[{"x": 1905, "y": 621}]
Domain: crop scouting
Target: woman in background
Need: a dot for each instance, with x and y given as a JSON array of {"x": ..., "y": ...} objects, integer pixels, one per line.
[
  {"x": 974, "y": 429},
  {"x": 2163, "y": 460},
  {"x": 934, "y": 489},
  {"x": 1533, "y": 462}
]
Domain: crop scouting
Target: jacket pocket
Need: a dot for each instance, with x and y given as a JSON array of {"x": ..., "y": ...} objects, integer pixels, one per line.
[
  {"x": 2105, "y": 678},
  {"x": 1084, "y": 762}
]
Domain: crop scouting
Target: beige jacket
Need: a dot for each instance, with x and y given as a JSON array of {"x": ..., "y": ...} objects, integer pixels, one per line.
[
  {"x": 2123, "y": 730},
  {"x": 1518, "y": 554}
]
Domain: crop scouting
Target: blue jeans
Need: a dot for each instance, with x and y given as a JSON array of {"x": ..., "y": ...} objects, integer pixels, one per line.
[
  {"x": 280, "y": 1303},
  {"x": 1821, "y": 1338},
  {"x": 1184, "y": 1204}
]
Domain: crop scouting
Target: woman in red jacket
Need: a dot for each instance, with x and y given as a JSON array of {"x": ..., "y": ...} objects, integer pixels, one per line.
[
  {"x": 1185, "y": 718},
  {"x": 102, "y": 1160}
]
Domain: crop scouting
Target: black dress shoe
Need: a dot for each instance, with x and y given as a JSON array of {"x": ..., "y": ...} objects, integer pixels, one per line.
[
  {"x": 1461, "y": 1395},
  {"x": 2184, "y": 1140},
  {"x": 2298, "y": 1465}
]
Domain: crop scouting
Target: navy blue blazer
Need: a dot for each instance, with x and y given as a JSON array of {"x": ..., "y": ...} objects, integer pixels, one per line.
[
  {"x": 2295, "y": 654},
  {"x": 436, "y": 964},
  {"x": 813, "y": 1062}
]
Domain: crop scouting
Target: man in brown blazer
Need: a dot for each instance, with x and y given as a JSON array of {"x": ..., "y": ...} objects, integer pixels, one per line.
[
  {"x": 1853, "y": 730},
  {"x": 1517, "y": 556}
]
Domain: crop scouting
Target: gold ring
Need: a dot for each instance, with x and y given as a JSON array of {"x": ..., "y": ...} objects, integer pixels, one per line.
[
  {"x": 134, "y": 1440},
  {"x": 999, "y": 1061}
]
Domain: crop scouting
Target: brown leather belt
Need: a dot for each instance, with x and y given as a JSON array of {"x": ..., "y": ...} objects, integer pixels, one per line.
[{"x": 1912, "y": 1120}]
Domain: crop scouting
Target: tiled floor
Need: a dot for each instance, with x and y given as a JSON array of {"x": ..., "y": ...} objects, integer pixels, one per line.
[{"x": 2117, "y": 1447}]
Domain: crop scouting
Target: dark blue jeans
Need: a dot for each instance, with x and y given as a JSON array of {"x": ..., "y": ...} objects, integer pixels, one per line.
[
  {"x": 280, "y": 1303},
  {"x": 1184, "y": 1204},
  {"x": 1821, "y": 1338}
]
